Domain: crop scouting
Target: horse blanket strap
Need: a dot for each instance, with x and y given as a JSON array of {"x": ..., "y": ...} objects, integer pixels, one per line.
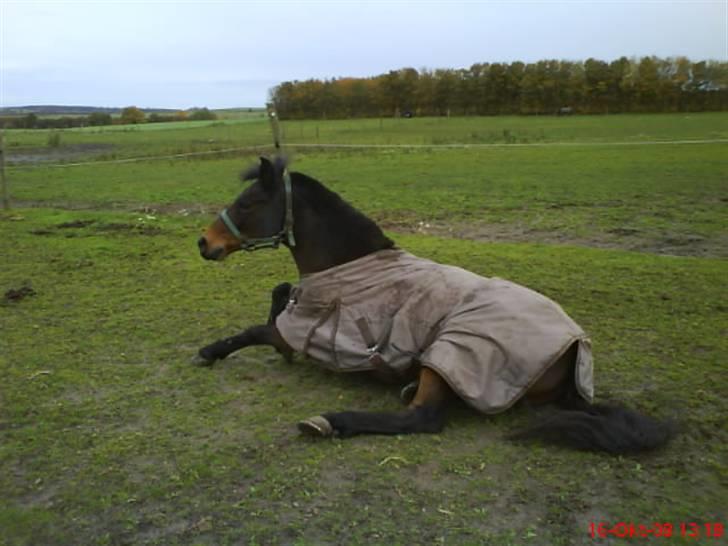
[
  {"x": 286, "y": 232},
  {"x": 489, "y": 338},
  {"x": 373, "y": 345}
]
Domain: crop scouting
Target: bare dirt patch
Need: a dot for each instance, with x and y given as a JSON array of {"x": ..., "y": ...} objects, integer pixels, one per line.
[
  {"x": 135, "y": 229},
  {"x": 69, "y": 228},
  {"x": 181, "y": 209},
  {"x": 672, "y": 244},
  {"x": 18, "y": 294},
  {"x": 622, "y": 238},
  {"x": 75, "y": 224}
]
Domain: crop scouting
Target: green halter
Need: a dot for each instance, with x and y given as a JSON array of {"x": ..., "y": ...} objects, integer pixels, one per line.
[{"x": 285, "y": 234}]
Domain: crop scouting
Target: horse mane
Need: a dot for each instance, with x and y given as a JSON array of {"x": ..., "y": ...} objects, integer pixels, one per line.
[{"x": 352, "y": 227}]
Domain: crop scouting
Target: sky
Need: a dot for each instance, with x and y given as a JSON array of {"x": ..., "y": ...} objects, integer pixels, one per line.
[{"x": 181, "y": 54}]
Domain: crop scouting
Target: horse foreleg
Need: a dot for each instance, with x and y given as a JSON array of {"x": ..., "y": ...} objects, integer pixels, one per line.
[
  {"x": 424, "y": 414},
  {"x": 263, "y": 334},
  {"x": 279, "y": 300}
]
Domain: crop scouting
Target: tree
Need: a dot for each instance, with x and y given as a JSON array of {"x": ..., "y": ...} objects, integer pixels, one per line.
[
  {"x": 532, "y": 89},
  {"x": 496, "y": 91},
  {"x": 132, "y": 115},
  {"x": 620, "y": 85},
  {"x": 408, "y": 88},
  {"x": 425, "y": 94},
  {"x": 446, "y": 91},
  {"x": 202, "y": 114},
  {"x": 647, "y": 84},
  {"x": 391, "y": 93},
  {"x": 476, "y": 87},
  {"x": 596, "y": 76},
  {"x": 591, "y": 86},
  {"x": 99, "y": 118},
  {"x": 30, "y": 121}
]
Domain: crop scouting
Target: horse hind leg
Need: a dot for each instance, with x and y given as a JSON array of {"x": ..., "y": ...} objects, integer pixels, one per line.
[
  {"x": 424, "y": 414},
  {"x": 556, "y": 382}
]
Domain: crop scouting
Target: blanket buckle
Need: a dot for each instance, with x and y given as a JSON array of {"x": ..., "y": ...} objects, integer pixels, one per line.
[{"x": 375, "y": 357}]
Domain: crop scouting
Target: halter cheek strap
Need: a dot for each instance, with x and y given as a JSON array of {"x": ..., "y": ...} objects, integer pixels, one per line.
[
  {"x": 232, "y": 228},
  {"x": 286, "y": 232}
]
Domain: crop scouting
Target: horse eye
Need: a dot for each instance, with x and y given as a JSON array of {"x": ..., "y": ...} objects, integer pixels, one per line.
[{"x": 250, "y": 204}]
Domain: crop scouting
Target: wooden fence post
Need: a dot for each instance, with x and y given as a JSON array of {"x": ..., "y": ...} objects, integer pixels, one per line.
[
  {"x": 3, "y": 179},
  {"x": 275, "y": 126}
]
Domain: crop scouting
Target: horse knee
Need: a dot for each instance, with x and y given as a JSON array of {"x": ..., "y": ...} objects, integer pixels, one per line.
[{"x": 279, "y": 299}]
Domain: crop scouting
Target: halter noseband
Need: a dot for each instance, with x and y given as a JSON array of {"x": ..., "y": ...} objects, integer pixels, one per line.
[{"x": 285, "y": 234}]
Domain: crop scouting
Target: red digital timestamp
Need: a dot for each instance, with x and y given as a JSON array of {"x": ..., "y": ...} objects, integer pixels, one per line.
[{"x": 602, "y": 529}]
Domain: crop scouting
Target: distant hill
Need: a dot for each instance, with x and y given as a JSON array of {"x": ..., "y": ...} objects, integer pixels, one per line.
[{"x": 55, "y": 110}]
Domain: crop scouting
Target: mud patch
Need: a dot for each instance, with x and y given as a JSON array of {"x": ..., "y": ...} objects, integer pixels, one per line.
[
  {"x": 69, "y": 228},
  {"x": 18, "y": 294},
  {"x": 622, "y": 238},
  {"x": 181, "y": 209},
  {"x": 75, "y": 224},
  {"x": 132, "y": 229},
  {"x": 122, "y": 228}
]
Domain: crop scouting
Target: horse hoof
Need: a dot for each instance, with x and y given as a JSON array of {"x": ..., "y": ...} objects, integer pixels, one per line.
[
  {"x": 316, "y": 426},
  {"x": 407, "y": 394},
  {"x": 201, "y": 362}
]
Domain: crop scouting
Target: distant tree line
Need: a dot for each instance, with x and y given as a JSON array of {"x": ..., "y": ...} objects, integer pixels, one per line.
[
  {"x": 129, "y": 116},
  {"x": 649, "y": 84}
]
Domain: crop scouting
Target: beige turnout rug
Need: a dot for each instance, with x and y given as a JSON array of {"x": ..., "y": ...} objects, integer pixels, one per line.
[{"x": 489, "y": 338}]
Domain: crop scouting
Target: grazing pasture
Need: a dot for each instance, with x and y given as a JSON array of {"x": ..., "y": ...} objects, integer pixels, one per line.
[
  {"x": 244, "y": 130},
  {"x": 109, "y": 436}
]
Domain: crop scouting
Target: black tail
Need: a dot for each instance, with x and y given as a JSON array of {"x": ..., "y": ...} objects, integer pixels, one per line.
[{"x": 600, "y": 427}]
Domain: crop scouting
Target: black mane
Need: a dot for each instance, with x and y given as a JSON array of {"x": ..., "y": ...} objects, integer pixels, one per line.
[{"x": 351, "y": 234}]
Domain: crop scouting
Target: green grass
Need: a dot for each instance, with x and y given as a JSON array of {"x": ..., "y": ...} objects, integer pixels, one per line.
[
  {"x": 242, "y": 130},
  {"x": 511, "y": 129},
  {"x": 109, "y": 436},
  {"x": 664, "y": 198},
  {"x": 150, "y": 139}
]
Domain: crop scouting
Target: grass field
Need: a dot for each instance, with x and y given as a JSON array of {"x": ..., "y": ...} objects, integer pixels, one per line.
[
  {"x": 243, "y": 130},
  {"x": 109, "y": 436}
]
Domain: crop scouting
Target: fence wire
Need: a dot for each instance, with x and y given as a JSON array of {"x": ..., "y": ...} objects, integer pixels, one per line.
[{"x": 325, "y": 146}]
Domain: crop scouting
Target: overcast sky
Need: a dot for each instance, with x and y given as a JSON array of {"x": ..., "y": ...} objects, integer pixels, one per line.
[{"x": 179, "y": 53}]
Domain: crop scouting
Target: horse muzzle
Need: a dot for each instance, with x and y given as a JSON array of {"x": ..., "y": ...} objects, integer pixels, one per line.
[{"x": 210, "y": 253}]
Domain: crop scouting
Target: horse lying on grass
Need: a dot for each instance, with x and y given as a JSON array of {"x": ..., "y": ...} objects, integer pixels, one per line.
[{"x": 364, "y": 305}]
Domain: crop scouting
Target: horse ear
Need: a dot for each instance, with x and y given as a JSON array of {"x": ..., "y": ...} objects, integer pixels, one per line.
[{"x": 267, "y": 174}]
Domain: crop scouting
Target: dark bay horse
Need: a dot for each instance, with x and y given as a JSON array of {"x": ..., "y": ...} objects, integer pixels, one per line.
[{"x": 325, "y": 235}]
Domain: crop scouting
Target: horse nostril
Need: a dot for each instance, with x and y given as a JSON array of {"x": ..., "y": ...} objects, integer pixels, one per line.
[{"x": 202, "y": 243}]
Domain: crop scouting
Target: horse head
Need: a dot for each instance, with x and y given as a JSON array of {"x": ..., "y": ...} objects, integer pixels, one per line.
[{"x": 260, "y": 217}]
